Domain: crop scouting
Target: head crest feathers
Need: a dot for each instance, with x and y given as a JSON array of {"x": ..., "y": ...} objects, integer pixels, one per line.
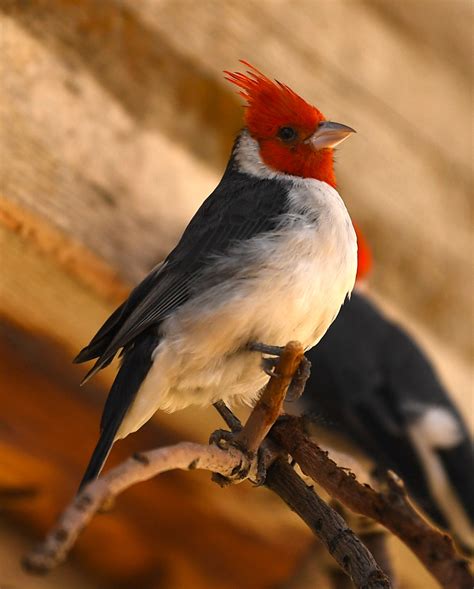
[
  {"x": 364, "y": 255},
  {"x": 271, "y": 104}
]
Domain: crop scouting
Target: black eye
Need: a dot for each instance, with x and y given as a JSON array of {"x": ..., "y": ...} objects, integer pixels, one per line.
[{"x": 287, "y": 133}]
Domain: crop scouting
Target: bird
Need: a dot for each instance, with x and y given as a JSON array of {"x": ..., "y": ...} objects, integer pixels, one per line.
[
  {"x": 372, "y": 387},
  {"x": 271, "y": 244}
]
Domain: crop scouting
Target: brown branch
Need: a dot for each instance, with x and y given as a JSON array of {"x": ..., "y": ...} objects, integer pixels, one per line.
[
  {"x": 185, "y": 456},
  {"x": 269, "y": 405},
  {"x": 341, "y": 542},
  {"x": 391, "y": 508},
  {"x": 377, "y": 543},
  {"x": 344, "y": 546},
  {"x": 324, "y": 521}
]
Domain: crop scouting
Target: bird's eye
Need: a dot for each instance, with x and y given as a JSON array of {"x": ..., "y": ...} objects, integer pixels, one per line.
[{"x": 287, "y": 133}]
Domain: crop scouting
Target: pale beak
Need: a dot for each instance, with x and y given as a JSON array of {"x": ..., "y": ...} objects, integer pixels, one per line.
[{"x": 329, "y": 134}]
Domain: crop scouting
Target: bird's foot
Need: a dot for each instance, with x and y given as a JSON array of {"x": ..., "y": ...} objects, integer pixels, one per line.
[
  {"x": 268, "y": 364},
  {"x": 252, "y": 467},
  {"x": 266, "y": 455},
  {"x": 298, "y": 382},
  {"x": 224, "y": 439}
]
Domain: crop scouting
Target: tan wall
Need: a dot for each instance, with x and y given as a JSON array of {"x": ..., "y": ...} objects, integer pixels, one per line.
[{"x": 116, "y": 123}]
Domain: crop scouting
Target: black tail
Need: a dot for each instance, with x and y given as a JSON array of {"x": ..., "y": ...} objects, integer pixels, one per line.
[
  {"x": 99, "y": 456},
  {"x": 136, "y": 363}
]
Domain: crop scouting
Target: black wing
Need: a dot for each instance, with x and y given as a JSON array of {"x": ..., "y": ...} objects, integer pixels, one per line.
[{"x": 240, "y": 208}]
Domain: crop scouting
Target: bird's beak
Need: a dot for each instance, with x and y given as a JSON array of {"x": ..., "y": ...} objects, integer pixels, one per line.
[{"x": 329, "y": 134}]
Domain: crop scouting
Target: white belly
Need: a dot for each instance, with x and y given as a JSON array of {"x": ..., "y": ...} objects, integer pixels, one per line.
[{"x": 289, "y": 288}]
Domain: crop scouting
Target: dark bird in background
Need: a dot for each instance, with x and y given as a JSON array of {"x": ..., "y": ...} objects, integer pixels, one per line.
[
  {"x": 271, "y": 244},
  {"x": 373, "y": 385}
]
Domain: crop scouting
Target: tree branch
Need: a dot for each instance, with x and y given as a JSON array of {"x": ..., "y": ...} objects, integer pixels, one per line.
[
  {"x": 325, "y": 522},
  {"x": 141, "y": 467},
  {"x": 390, "y": 508},
  {"x": 269, "y": 405}
]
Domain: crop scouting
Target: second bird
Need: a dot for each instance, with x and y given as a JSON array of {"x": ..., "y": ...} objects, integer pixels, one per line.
[{"x": 269, "y": 257}]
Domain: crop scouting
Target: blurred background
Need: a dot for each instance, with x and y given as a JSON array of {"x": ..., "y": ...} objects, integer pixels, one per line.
[{"x": 116, "y": 124}]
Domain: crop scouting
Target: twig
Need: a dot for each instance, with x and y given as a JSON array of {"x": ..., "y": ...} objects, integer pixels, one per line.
[
  {"x": 345, "y": 547},
  {"x": 376, "y": 542},
  {"x": 185, "y": 456},
  {"x": 341, "y": 542},
  {"x": 347, "y": 550},
  {"x": 270, "y": 403},
  {"x": 182, "y": 456},
  {"x": 391, "y": 508}
]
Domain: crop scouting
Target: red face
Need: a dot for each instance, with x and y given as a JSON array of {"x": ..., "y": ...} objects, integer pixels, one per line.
[{"x": 293, "y": 135}]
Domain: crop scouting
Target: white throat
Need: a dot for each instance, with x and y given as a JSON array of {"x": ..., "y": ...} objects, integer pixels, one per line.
[{"x": 247, "y": 156}]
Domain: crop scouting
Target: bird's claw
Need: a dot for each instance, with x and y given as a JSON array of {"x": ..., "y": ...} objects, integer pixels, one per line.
[
  {"x": 298, "y": 382},
  {"x": 223, "y": 439},
  {"x": 251, "y": 467},
  {"x": 268, "y": 366},
  {"x": 265, "y": 457}
]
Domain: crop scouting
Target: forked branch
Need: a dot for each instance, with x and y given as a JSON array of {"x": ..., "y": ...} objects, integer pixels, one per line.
[
  {"x": 325, "y": 522},
  {"x": 390, "y": 508}
]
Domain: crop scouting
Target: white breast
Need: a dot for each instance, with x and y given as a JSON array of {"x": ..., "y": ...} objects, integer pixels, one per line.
[
  {"x": 313, "y": 267},
  {"x": 281, "y": 286}
]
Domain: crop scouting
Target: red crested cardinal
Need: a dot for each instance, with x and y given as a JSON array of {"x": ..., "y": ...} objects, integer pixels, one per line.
[
  {"x": 270, "y": 245},
  {"x": 372, "y": 386}
]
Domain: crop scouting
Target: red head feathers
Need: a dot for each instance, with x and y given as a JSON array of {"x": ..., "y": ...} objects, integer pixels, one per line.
[
  {"x": 293, "y": 135},
  {"x": 271, "y": 105}
]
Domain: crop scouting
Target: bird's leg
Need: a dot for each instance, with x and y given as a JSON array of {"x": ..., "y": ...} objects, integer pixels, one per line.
[
  {"x": 266, "y": 349},
  {"x": 266, "y": 454},
  {"x": 249, "y": 440},
  {"x": 223, "y": 439},
  {"x": 228, "y": 416}
]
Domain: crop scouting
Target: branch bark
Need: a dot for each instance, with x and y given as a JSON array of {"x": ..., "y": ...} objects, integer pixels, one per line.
[
  {"x": 323, "y": 520},
  {"x": 141, "y": 467},
  {"x": 390, "y": 508},
  {"x": 269, "y": 405}
]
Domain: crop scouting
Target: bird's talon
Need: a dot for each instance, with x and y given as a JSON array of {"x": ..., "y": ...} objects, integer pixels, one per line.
[
  {"x": 266, "y": 455},
  {"x": 268, "y": 366},
  {"x": 298, "y": 382},
  {"x": 262, "y": 468},
  {"x": 221, "y": 438}
]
